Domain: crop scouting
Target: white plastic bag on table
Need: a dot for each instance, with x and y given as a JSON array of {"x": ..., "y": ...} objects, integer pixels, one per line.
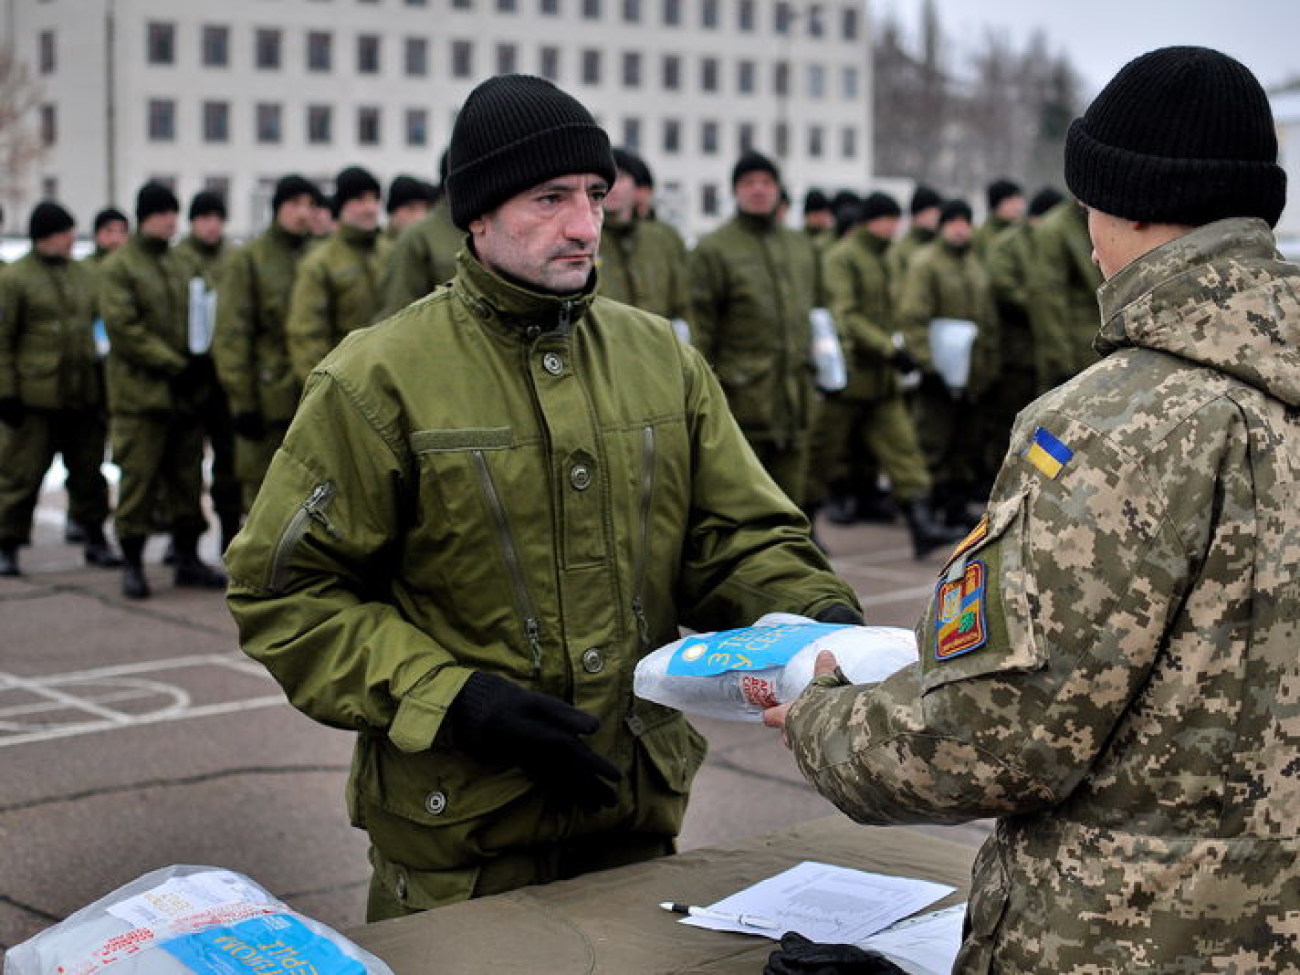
[
  {"x": 190, "y": 919},
  {"x": 736, "y": 674}
]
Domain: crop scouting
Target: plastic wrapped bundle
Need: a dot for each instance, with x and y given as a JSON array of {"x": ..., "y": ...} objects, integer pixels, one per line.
[{"x": 737, "y": 674}]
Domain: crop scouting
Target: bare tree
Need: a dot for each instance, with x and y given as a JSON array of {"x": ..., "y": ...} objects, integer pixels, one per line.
[{"x": 20, "y": 139}]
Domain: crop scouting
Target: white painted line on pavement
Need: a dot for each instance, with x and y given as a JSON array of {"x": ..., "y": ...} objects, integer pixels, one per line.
[{"x": 208, "y": 710}]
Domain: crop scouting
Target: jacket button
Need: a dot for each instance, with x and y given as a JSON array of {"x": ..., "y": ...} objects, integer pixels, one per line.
[
  {"x": 436, "y": 803},
  {"x": 552, "y": 363},
  {"x": 592, "y": 661},
  {"x": 580, "y": 477}
]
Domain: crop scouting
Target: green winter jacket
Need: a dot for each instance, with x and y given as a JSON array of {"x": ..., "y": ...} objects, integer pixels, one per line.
[
  {"x": 1070, "y": 281},
  {"x": 753, "y": 285},
  {"x": 47, "y": 344},
  {"x": 643, "y": 268},
  {"x": 249, "y": 345},
  {"x": 1013, "y": 268},
  {"x": 144, "y": 300},
  {"x": 904, "y": 249},
  {"x": 423, "y": 258},
  {"x": 336, "y": 291},
  {"x": 860, "y": 295},
  {"x": 203, "y": 260},
  {"x": 545, "y": 498}
]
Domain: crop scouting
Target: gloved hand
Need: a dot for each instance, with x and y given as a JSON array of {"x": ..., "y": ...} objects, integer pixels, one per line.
[
  {"x": 903, "y": 361},
  {"x": 249, "y": 425},
  {"x": 186, "y": 381},
  {"x": 12, "y": 411},
  {"x": 496, "y": 720},
  {"x": 840, "y": 613},
  {"x": 799, "y": 956}
]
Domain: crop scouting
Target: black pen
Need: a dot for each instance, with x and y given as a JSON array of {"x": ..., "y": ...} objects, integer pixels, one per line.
[{"x": 748, "y": 920}]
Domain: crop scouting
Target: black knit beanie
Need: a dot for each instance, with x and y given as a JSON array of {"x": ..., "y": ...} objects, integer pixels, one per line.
[
  {"x": 815, "y": 201},
  {"x": 924, "y": 198},
  {"x": 155, "y": 198},
  {"x": 641, "y": 173},
  {"x": 352, "y": 184},
  {"x": 753, "y": 161},
  {"x": 1002, "y": 189},
  {"x": 1044, "y": 200},
  {"x": 407, "y": 189},
  {"x": 513, "y": 132},
  {"x": 206, "y": 202},
  {"x": 292, "y": 186},
  {"x": 48, "y": 219},
  {"x": 108, "y": 215},
  {"x": 955, "y": 210},
  {"x": 625, "y": 162},
  {"x": 1181, "y": 135},
  {"x": 879, "y": 205}
]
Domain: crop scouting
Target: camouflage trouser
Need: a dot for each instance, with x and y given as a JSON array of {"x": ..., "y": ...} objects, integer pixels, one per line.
[
  {"x": 26, "y": 454},
  {"x": 161, "y": 457},
  {"x": 855, "y": 436}
]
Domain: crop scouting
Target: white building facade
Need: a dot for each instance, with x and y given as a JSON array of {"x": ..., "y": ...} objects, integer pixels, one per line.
[
  {"x": 232, "y": 95},
  {"x": 1286, "y": 114}
]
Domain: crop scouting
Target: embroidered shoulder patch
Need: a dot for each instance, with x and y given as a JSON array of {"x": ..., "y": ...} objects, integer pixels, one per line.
[
  {"x": 1047, "y": 453},
  {"x": 959, "y": 625}
]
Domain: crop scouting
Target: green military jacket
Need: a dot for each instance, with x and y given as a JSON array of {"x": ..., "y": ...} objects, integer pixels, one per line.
[
  {"x": 1013, "y": 267},
  {"x": 753, "y": 285},
  {"x": 47, "y": 344},
  {"x": 1069, "y": 291},
  {"x": 1109, "y": 662},
  {"x": 904, "y": 249},
  {"x": 946, "y": 282},
  {"x": 423, "y": 258},
  {"x": 144, "y": 301},
  {"x": 336, "y": 291},
  {"x": 990, "y": 230},
  {"x": 249, "y": 345},
  {"x": 643, "y": 268},
  {"x": 203, "y": 260},
  {"x": 545, "y": 498},
  {"x": 860, "y": 295}
]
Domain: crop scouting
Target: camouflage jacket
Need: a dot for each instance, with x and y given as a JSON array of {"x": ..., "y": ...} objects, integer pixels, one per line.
[
  {"x": 1010, "y": 260},
  {"x": 904, "y": 249},
  {"x": 423, "y": 257},
  {"x": 1109, "y": 662},
  {"x": 643, "y": 268},
  {"x": 860, "y": 295},
  {"x": 987, "y": 232},
  {"x": 1068, "y": 281}
]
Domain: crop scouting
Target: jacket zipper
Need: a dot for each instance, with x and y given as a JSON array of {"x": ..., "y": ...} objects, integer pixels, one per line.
[
  {"x": 643, "y": 552},
  {"x": 313, "y": 509},
  {"x": 523, "y": 604}
]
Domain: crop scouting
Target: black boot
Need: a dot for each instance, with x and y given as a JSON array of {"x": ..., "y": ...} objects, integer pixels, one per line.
[
  {"x": 74, "y": 533},
  {"x": 191, "y": 571},
  {"x": 134, "y": 583},
  {"x": 841, "y": 509},
  {"x": 875, "y": 507},
  {"x": 927, "y": 534},
  {"x": 9, "y": 560},
  {"x": 98, "y": 550}
]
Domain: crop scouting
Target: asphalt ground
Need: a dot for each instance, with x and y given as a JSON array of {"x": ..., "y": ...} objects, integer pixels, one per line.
[{"x": 135, "y": 735}]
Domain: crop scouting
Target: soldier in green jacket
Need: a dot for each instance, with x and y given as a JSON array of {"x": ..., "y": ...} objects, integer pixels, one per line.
[
  {"x": 946, "y": 280},
  {"x": 819, "y": 220},
  {"x": 754, "y": 284},
  {"x": 423, "y": 258},
  {"x": 337, "y": 288},
  {"x": 638, "y": 266},
  {"x": 1069, "y": 281},
  {"x": 154, "y": 395},
  {"x": 407, "y": 203},
  {"x": 51, "y": 390},
  {"x": 249, "y": 345},
  {"x": 1109, "y": 662},
  {"x": 923, "y": 219},
  {"x": 462, "y": 555},
  {"x": 1006, "y": 202}
]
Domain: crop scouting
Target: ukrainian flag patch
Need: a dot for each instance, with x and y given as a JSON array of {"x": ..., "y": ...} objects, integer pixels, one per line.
[
  {"x": 959, "y": 624},
  {"x": 1047, "y": 453}
]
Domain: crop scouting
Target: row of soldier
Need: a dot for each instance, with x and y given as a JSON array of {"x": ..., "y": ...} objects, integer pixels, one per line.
[{"x": 744, "y": 295}]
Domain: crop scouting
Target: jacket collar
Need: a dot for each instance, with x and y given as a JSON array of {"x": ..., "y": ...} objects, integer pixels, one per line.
[
  {"x": 514, "y": 307},
  {"x": 756, "y": 223},
  {"x": 873, "y": 243}
]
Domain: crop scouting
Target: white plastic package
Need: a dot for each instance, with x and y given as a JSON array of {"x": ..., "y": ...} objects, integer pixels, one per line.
[
  {"x": 737, "y": 674},
  {"x": 190, "y": 919}
]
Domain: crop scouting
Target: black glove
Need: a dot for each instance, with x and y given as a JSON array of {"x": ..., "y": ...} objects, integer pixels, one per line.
[
  {"x": 495, "y": 720},
  {"x": 191, "y": 375},
  {"x": 903, "y": 361},
  {"x": 249, "y": 425},
  {"x": 12, "y": 411},
  {"x": 840, "y": 613},
  {"x": 799, "y": 956}
]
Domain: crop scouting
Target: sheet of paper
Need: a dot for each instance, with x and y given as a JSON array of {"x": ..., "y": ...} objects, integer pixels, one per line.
[
  {"x": 826, "y": 903},
  {"x": 925, "y": 945}
]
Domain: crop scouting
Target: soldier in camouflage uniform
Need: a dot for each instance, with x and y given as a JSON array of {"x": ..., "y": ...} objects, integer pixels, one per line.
[
  {"x": 249, "y": 346},
  {"x": 424, "y": 255},
  {"x": 1006, "y": 209},
  {"x": 407, "y": 203},
  {"x": 51, "y": 390},
  {"x": 1109, "y": 661},
  {"x": 337, "y": 289},
  {"x": 923, "y": 219},
  {"x": 819, "y": 220},
  {"x": 1068, "y": 281}
]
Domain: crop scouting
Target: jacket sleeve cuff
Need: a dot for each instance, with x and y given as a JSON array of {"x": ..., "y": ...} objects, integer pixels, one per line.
[{"x": 419, "y": 717}]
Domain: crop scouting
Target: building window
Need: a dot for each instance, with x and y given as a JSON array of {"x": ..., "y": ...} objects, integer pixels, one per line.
[
  {"x": 591, "y": 9},
  {"x": 162, "y": 120},
  {"x": 781, "y": 78},
  {"x": 782, "y": 17},
  {"x": 709, "y": 138},
  {"x": 46, "y": 58},
  {"x": 672, "y": 140},
  {"x": 49, "y": 125},
  {"x": 506, "y": 6},
  {"x": 709, "y": 200},
  {"x": 368, "y": 125},
  {"x": 417, "y": 127},
  {"x": 851, "y": 87},
  {"x": 551, "y": 7},
  {"x": 268, "y": 123},
  {"x": 745, "y": 77},
  {"x": 507, "y": 59},
  {"x": 746, "y": 15},
  {"x": 463, "y": 4},
  {"x": 745, "y": 136},
  {"x": 815, "y": 141},
  {"x": 632, "y": 11},
  {"x": 320, "y": 50},
  {"x": 462, "y": 59},
  {"x": 417, "y": 57},
  {"x": 49, "y": 187},
  {"x": 781, "y": 139},
  {"x": 709, "y": 74},
  {"x": 219, "y": 185},
  {"x": 320, "y": 125},
  {"x": 849, "y": 29},
  {"x": 216, "y": 121},
  {"x": 672, "y": 13},
  {"x": 548, "y": 65},
  {"x": 590, "y": 67},
  {"x": 632, "y": 133},
  {"x": 631, "y": 70},
  {"x": 417, "y": 3},
  {"x": 672, "y": 72},
  {"x": 816, "y": 81},
  {"x": 161, "y": 42},
  {"x": 816, "y": 25},
  {"x": 215, "y": 41},
  {"x": 709, "y": 14},
  {"x": 267, "y": 47},
  {"x": 849, "y": 142},
  {"x": 367, "y": 54}
]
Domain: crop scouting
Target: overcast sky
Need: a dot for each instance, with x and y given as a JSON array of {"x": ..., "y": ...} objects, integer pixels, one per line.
[{"x": 1102, "y": 35}]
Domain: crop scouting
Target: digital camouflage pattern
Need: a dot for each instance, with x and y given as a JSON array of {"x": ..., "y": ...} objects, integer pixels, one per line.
[{"x": 1126, "y": 696}]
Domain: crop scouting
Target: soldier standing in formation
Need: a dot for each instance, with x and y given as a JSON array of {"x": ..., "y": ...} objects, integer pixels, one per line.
[
  {"x": 407, "y": 203},
  {"x": 923, "y": 220},
  {"x": 51, "y": 390},
  {"x": 424, "y": 255},
  {"x": 249, "y": 346},
  {"x": 1069, "y": 280},
  {"x": 1006, "y": 202},
  {"x": 1109, "y": 661}
]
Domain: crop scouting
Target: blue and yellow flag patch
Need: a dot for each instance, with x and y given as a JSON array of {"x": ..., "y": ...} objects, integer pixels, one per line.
[
  {"x": 959, "y": 624},
  {"x": 1047, "y": 453}
]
